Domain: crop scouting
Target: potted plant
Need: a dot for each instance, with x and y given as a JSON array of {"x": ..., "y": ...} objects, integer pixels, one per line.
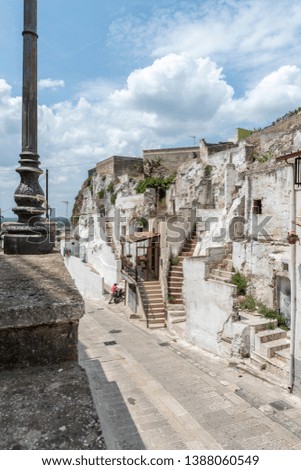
[{"x": 292, "y": 237}]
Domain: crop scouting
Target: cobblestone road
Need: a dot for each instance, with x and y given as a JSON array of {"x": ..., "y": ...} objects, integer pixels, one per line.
[{"x": 154, "y": 393}]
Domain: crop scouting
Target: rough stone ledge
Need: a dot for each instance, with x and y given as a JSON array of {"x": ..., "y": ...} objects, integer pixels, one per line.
[
  {"x": 40, "y": 308},
  {"x": 37, "y": 290},
  {"x": 48, "y": 408}
]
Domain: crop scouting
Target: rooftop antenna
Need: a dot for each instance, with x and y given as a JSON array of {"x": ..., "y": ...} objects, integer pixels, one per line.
[{"x": 193, "y": 137}]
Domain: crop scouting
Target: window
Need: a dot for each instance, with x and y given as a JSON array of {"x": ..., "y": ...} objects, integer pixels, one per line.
[
  {"x": 298, "y": 171},
  {"x": 257, "y": 206}
]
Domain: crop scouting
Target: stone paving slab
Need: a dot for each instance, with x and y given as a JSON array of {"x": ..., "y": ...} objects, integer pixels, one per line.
[
  {"x": 172, "y": 394},
  {"x": 48, "y": 407}
]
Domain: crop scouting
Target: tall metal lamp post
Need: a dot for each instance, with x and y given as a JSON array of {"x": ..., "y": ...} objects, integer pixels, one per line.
[
  {"x": 67, "y": 204},
  {"x": 31, "y": 234}
]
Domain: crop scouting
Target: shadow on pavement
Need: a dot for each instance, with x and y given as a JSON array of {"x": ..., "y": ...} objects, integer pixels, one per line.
[{"x": 118, "y": 427}]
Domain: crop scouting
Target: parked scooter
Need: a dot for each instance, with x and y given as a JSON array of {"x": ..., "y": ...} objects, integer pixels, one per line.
[{"x": 119, "y": 296}]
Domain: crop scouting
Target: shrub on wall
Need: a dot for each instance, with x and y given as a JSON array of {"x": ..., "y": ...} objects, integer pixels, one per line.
[
  {"x": 155, "y": 183},
  {"x": 110, "y": 187},
  {"x": 101, "y": 193},
  {"x": 241, "y": 282},
  {"x": 113, "y": 198}
]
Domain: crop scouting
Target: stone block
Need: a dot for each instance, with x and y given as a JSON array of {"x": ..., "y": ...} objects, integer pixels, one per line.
[{"x": 40, "y": 308}]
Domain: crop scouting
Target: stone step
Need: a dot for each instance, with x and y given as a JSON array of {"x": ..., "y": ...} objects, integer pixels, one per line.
[
  {"x": 156, "y": 317},
  {"x": 151, "y": 295},
  {"x": 258, "y": 361},
  {"x": 176, "y": 313},
  {"x": 153, "y": 281},
  {"x": 178, "y": 295},
  {"x": 218, "y": 278},
  {"x": 265, "y": 336},
  {"x": 223, "y": 274},
  {"x": 270, "y": 365},
  {"x": 153, "y": 301},
  {"x": 175, "y": 282},
  {"x": 257, "y": 323},
  {"x": 155, "y": 308},
  {"x": 271, "y": 347},
  {"x": 156, "y": 326},
  {"x": 178, "y": 320},
  {"x": 176, "y": 274},
  {"x": 176, "y": 301},
  {"x": 176, "y": 267},
  {"x": 283, "y": 355},
  {"x": 226, "y": 266},
  {"x": 151, "y": 289},
  {"x": 263, "y": 324},
  {"x": 175, "y": 290},
  {"x": 189, "y": 247},
  {"x": 151, "y": 292}
]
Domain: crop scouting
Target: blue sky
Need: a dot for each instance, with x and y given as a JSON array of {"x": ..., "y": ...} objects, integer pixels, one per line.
[{"x": 117, "y": 77}]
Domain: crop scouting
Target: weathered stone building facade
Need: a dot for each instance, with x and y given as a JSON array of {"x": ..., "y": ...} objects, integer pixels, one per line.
[{"x": 228, "y": 211}]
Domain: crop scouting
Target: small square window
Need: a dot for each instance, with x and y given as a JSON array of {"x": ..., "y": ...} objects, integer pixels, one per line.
[
  {"x": 257, "y": 206},
  {"x": 285, "y": 266}
]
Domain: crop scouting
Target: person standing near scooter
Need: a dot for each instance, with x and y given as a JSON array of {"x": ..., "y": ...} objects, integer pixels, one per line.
[{"x": 114, "y": 289}]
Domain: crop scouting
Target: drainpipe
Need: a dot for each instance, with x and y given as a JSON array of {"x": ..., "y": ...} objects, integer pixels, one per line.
[{"x": 293, "y": 283}]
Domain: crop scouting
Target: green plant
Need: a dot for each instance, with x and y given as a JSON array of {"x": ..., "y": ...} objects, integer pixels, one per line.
[
  {"x": 174, "y": 261},
  {"x": 110, "y": 187},
  {"x": 142, "y": 222},
  {"x": 171, "y": 299},
  {"x": 240, "y": 281},
  {"x": 248, "y": 303},
  {"x": 251, "y": 304},
  {"x": 101, "y": 193},
  {"x": 113, "y": 198},
  {"x": 153, "y": 167},
  {"x": 87, "y": 182},
  {"x": 273, "y": 314},
  {"x": 208, "y": 170},
  {"x": 264, "y": 157},
  {"x": 155, "y": 183},
  {"x": 103, "y": 178}
]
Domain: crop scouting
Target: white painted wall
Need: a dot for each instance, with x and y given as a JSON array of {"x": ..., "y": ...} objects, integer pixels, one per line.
[
  {"x": 89, "y": 283},
  {"x": 209, "y": 306}
]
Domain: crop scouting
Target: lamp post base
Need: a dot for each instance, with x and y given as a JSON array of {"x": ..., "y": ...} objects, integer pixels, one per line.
[{"x": 22, "y": 239}]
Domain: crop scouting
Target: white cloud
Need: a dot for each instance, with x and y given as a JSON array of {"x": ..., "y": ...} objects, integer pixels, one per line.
[
  {"x": 175, "y": 89},
  {"x": 237, "y": 35},
  {"x": 176, "y": 96},
  {"x": 49, "y": 83},
  {"x": 273, "y": 96}
]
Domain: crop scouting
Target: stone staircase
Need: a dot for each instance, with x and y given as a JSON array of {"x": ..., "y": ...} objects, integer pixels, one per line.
[
  {"x": 223, "y": 272},
  {"x": 176, "y": 313},
  {"x": 153, "y": 303},
  {"x": 175, "y": 275},
  {"x": 110, "y": 239},
  {"x": 269, "y": 345}
]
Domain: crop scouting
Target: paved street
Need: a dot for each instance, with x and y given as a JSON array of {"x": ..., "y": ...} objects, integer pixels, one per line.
[{"x": 155, "y": 393}]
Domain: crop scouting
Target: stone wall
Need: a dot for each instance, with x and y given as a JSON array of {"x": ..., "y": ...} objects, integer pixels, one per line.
[
  {"x": 39, "y": 311},
  {"x": 118, "y": 166},
  {"x": 89, "y": 283},
  {"x": 172, "y": 158},
  {"x": 209, "y": 305}
]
